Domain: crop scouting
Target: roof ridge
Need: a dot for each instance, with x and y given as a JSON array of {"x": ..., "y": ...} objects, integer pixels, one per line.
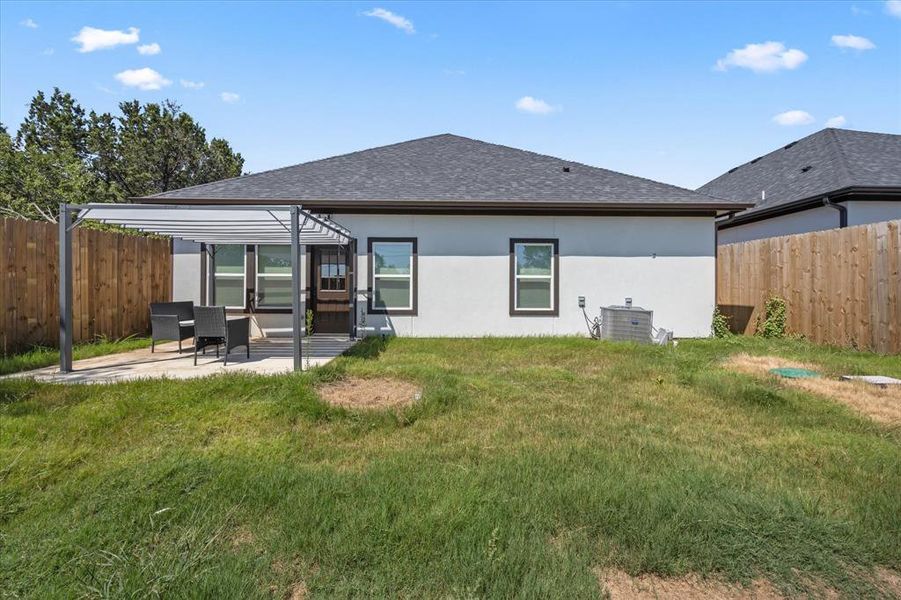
[
  {"x": 768, "y": 154},
  {"x": 309, "y": 162},
  {"x": 843, "y": 164},
  {"x": 581, "y": 164}
]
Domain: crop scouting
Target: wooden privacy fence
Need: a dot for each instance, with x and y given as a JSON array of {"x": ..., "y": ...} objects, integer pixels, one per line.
[
  {"x": 114, "y": 279},
  {"x": 841, "y": 286}
]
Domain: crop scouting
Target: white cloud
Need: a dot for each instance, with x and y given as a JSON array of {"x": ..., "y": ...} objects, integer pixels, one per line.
[
  {"x": 893, "y": 7},
  {"x": 144, "y": 79},
  {"x": 229, "y": 97},
  {"x": 854, "y": 42},
  {"x": 394, "y": 19},
  {"x": 535, "y": 106},
  {"x": 763, "y": 58},
  {"x": 838, "y": 121},
  {"x": 29, "y": 23},
  {"x": 48, "y": 52},
  {"x": 192, "y": 85},
  {"x": 857, "y": 11},
  {"x": 455, "y": 72},
  {"x": 92, "y": 38},
  {"x": 149, "y": 49},
  {"x": 794, "y": 117}
]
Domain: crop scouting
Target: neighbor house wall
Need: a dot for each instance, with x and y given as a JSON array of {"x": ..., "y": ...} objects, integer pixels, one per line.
[
  {"x": 665, "y": 264},
  {"x": 813, "y": 219},
  {"x": 861, "y": 212}
]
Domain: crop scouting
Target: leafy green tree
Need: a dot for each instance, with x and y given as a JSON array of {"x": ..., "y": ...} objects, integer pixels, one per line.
[
  {"x": 60, "y": 154},
  {"x": 55, "y": 125}
]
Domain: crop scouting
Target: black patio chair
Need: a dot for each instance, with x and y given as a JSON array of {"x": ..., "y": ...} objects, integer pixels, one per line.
[
  {"x": 171, "y": 321},
  {"x": 213, "y": 328}
]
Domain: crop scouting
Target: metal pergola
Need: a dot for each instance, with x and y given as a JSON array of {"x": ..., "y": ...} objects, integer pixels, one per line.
[{"x": 207, "y": 224}]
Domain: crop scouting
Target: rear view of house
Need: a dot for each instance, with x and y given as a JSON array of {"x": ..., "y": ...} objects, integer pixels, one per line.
[
  {"x": 457, "y": 237},
  {"x": 833, "y": 178}
]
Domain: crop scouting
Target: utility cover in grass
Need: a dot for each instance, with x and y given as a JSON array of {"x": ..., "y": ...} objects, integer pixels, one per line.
[{"x": 794, "y": 373}]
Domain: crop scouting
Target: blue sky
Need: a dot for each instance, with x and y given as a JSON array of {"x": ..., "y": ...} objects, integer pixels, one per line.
[{"x": 671, "y": 91}]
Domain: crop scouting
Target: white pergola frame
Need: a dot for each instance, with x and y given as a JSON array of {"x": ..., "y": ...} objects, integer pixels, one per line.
[{"x": 207, "y": 224}]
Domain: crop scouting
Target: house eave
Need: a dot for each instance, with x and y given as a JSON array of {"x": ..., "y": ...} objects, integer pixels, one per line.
[
  {"x": 509, "y": 207},
  {"x": 883, "y": 194}
]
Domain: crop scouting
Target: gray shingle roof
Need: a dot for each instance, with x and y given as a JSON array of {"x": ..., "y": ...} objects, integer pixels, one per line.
[
  {"x": 826, "y": 161},
  {"x": 445, "y": 169}
]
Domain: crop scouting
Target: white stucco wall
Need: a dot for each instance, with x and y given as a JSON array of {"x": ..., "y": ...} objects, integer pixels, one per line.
[
  {"x": 186, "y": 280},
  {"x": 860, "y": 212},
  {"x": 665, "y": 264}
]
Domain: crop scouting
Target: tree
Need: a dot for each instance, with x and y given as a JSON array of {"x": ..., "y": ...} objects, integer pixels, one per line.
[
  {"x": 61, "y": 155},
  {"x": 53, "y": 126}
]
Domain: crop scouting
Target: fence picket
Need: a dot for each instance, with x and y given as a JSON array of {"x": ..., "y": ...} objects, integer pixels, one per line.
[
  {"x": 841, "y": 286},
  {"x": 115, "y": 278}
]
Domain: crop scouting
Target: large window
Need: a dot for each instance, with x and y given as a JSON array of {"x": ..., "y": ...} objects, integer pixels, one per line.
[
  {"x": 533, "y": 276},
  {"x": 228, "y": 275},
  {"x": 392, "y": 275},
  {"x": 273, "y": 288}
]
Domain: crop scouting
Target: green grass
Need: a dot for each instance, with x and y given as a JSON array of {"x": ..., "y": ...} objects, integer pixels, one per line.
[
  {"x": 527, "y": 464},
  {"x": 41, "y": 356}
]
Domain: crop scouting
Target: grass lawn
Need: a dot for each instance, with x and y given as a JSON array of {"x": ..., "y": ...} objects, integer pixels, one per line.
[
  {"x": 44, "y": 357},
  {"x": 526, "y": 467}
]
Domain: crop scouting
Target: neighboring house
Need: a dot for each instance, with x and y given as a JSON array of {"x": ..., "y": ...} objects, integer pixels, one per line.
[
  {"x": 832, "y": 178},
  {"x": 457, "y": 237}
]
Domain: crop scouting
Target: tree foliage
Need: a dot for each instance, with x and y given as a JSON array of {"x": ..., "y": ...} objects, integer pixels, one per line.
[{"x": 62, "y": 154}]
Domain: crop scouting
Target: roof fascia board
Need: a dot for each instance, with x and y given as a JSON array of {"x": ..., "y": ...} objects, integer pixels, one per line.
[
  {"x": 402, "y": 206},
  {"x": 842, "y": 195}
]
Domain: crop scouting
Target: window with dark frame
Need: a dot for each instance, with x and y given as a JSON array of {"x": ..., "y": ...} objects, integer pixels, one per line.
[
  {"x": 332, "y": 270},
  {"x": 534, "y": 276},
  {"x": 273, "y": 276},
  {"x": 229, "y": 281},
  {"x": 392, "y": 276}
]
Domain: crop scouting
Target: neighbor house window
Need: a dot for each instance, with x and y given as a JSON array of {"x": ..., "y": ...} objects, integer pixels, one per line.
[
  {"x": 392, "y": 275},
  {"x": 228, "y": 275},
  {"x": 273, "y": 276},
  {"x": 533, "y": 276}
]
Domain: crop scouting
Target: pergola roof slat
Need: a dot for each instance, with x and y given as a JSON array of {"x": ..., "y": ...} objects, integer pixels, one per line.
[{"x": 218, "y": 224}]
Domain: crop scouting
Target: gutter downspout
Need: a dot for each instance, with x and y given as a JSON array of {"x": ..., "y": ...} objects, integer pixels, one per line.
[{"x": 842, "y": 211}]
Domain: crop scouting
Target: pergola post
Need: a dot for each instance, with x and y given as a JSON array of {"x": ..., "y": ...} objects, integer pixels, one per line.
[
  {"x": 65, "y": 289},
  {"x": 210, "y": 282},
  {"x": 296, "y": 306},
  {"x": 352, "y": 285}
]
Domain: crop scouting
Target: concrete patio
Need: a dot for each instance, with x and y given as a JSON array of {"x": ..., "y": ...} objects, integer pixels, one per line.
[{"x": 267, "y": 356}]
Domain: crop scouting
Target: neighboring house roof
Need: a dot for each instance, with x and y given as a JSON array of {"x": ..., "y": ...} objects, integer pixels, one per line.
[
  {"x": 827, "y": 162},
  {"x": 445, "y": 170}
]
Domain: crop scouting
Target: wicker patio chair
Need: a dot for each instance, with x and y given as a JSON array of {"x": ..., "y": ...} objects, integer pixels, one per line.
[
  {"x": 171, "y": 321},
  {"x": 212, "y": 328}
]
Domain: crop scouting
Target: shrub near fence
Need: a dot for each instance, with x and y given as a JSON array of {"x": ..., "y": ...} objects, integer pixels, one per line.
[
  {"x": 115, "y": 277},
  {"x": 841, "y": 286}
]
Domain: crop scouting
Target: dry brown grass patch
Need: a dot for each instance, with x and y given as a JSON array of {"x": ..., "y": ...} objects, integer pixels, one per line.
[
  {"x": 880, "y": 404},
  {"x": 620, "y": 584},
  {"x": 243, "y": 537},
  {"x": 378, "y": 393},
  {"x": 888, "y": 581},
  {"x": 298, "y": 591}
]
